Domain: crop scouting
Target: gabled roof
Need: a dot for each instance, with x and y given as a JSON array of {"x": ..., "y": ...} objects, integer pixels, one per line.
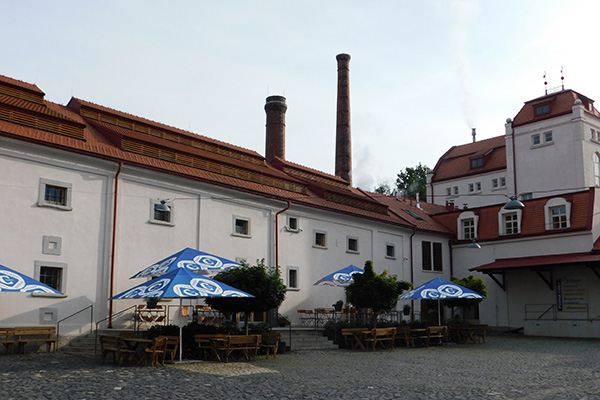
[
  {"x": 456, "y": 163},
  {"x": 559, "y": 103},
  {"x": 86, "y": 128}
]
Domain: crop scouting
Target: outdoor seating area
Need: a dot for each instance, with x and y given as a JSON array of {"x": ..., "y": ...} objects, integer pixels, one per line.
[
  {"x": 468, "y": 334},
  {"x": 128, "y": 349},
  {"x": 371, "y": 339},
  {"x": 23, "y": 335},
  {"x": 219, "y": 347}
]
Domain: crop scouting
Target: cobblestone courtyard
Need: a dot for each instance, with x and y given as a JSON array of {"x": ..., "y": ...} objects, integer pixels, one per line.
[{"x": 506, "y": 367}]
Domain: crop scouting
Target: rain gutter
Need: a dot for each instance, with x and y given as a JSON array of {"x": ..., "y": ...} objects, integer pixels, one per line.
[{"x": 113, "y": 246}]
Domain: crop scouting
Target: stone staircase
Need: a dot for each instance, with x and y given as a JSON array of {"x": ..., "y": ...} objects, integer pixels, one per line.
[{"x": 296, "y": 339}]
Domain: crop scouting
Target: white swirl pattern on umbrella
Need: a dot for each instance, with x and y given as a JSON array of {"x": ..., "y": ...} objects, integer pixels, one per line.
[
  {"x": 446, "y": 291},
  {"x": 9, "y": 281},
  {"x": 198, "y": 287},
  {"x": 158, "y": 268}
]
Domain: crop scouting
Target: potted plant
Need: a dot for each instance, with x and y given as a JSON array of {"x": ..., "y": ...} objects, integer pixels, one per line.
[
  {"x": 406, "y": 309},
  {"x": 151, "y": 302},
  {"x": 338, "y": 305}
]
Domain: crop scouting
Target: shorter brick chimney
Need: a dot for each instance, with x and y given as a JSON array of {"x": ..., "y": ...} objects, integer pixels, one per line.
[{"x": 275, "y": 108}]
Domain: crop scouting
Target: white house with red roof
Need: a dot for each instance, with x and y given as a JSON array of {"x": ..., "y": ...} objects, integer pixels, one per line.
[{"x": 540, "y": 259}]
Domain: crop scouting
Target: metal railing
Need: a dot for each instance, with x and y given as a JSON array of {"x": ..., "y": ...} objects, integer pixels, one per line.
[
  {"x": 91, "y": 307},
  {"x": 550, "y": 312},
  {"x": 106, "y": 318}
]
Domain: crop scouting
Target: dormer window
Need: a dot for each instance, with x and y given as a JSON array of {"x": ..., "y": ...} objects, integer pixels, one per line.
[
  {"x": 557, "y": 213},
  {"x": 509, "y": 222},
  {"x": 477, "y": 162},
  {"x": 467, "y": 225},
  {"x": 543, "y": 109}
]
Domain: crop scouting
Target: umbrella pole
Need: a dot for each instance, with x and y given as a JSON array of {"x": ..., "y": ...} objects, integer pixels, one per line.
[
  {"x": 180, "y": 330},
  {"x": 439, "y": 313}
]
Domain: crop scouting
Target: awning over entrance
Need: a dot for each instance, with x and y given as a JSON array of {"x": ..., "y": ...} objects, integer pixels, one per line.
[{"x": 540, "y": 264}]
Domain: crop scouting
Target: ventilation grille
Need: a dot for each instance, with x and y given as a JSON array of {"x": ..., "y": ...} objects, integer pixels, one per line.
[
  {"x": 314, "y": 177},
  {"x": 22, "y": 94},
  {"x": 356, "y": 202},
  {"x": 18, "y": 117},
  {"x": 188, "y": 141},
  {"x": 205, "y": 165}
]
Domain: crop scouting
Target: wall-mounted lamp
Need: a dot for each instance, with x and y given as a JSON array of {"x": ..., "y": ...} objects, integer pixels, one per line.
[
  {"x": 514, "y": 204},
  {"x": 162, "y": 206},
  {"x": 474, "y": 244}
]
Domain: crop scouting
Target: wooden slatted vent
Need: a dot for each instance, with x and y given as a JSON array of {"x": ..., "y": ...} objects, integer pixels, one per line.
[{"x": 44, "y": 124}]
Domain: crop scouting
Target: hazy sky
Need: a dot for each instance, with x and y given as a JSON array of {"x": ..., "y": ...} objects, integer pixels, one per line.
[{"x": 422, "y": 74}]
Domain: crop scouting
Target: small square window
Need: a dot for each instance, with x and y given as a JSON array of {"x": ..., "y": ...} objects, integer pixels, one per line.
[
  {"x": 320, "y": 239},
  {"x": 548, "y": 137},
  {"x": 527, "y": 196},
  {"x": 390, "y": 251},
  {"x": 448, "y": 191},
  {"x": 455, "y": 190},
  {"x": 51, "y": 245},
  {"x": 292, "y": 278},
  {"x": 471, "y": 187},
  {"x": 541, "y": 110},
  {"x": 55, "y": 194},
  {"x": 495, "y": 183},
  {"x": 292, "y": 224},
  {"x": 352, "y": 245},
  {"x": 535, "y": 139},
  {"x": 162, "y": 212},
  {"x": 52, "y": 274},
  {"x": 241, "y": 226}
]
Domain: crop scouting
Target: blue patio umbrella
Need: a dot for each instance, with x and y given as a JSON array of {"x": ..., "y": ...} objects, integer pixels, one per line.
[
  {"x": 191, "y": 259},
  {"x": 13, "y": 281},
  {"x": 341, "y": 278},
  {"x": 180, "y": 283},
  {"x": 440, "y": 289}
]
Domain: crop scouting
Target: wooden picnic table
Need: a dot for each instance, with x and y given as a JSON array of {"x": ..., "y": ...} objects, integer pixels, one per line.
[
  {"x": 355, "y": 337},
  {"x": 138, "y": 347}
]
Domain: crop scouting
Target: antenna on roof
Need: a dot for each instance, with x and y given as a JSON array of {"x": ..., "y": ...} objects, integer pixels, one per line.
[
  {"x": 562, "y": 78},
  {"x": 545, "y": 84}
]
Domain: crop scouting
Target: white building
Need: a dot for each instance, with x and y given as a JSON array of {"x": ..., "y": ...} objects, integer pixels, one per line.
[
  {"x": 540, "y": 262},
  {"x": 81, "y": 182}
]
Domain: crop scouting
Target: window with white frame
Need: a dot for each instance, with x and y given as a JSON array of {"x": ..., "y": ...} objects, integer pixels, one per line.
[
  {"x": 292, "y": 224},
  {"x": 467, "y": 225},
  {"x": 595, "y": 135},
  {"x": 596, "y": 169},
  {"x": 162, "y": 212},
  {"x": 494, "y": 183},
  {"x": 548, "y": 137},
  {"x": 478, "y": 186},
  {"x": 390, "y": 250},
  {"x": 241, "y": 226},
  {"x": 509, "y": 222},
  {"x": 502, "y": 181},
  {"x": 536, "y": 139},
  {"x": 471, "y": 187},
  {"x": 352, "y": 244},
  {"x": 431, "y": 256},
  {"x": 498, "y": 183},
  {"x": 545, "y": 138},
  {"x": 448, "y": 191},
  {"x": 455, "y": 190},
  {"x": 320, "y": 239},
  {"x": 527, "y": 196},
  {"x": 55, "y": 194},
  {"x": 53, "y": 274},
  {"x": 557, "y": 213},
  {"x": 292, "y": 278}
]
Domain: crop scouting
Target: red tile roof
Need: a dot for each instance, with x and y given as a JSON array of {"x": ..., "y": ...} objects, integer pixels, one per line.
[
  {"x": 538, "y": 262},
  {"x": 120, "y": 137},
  {"x": 560, "y": 103},
  {"x": 456, "y": 163}
]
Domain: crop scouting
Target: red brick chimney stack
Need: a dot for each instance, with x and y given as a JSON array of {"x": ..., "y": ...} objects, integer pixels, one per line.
[
  {"x": 275, "y": 108},
  {"x": 343, "y": 144}
]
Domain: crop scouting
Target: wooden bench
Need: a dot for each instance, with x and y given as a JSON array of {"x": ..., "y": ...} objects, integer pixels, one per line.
[
  {"x": 403, "y": 334},
  {"x": 439, "y": 333},
  {"x": 171, "y": 349},
  {"x": 7, "y": 338},
  {"x": 353, "y": 337},
  {"x": 269, "y": 341},
  {"x": 109, "y": 345},
  {"x": 36, "y": 334},
  {"x": 382, "y": 336},
  {"x": 240, "y": 343},
  {"x": 205, "y": 345},
  {"x": 480, "y": 333}
]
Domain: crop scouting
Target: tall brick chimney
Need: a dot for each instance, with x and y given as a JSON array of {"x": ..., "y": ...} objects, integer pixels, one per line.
[
  {"x": 343, "y": 144},
  {"x": 275, "y": 108}
]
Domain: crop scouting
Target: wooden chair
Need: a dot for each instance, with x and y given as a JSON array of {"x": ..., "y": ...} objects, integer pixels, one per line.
[
  {"x": 382, "y": 336},
  {"x": 109, "y": 345},
  {"x": 126, "y": 353},
  {"x": 247, "y": 344},
  {"x": 157, "y": 351},
  {"x": 171, "y": 348},
  {"x": 270, "y": 342}
]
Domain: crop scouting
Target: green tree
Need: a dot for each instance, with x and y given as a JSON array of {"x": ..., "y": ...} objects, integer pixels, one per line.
[
  {"x": 377, "y": 292},
  {"x": 413, "y": 181},
  {"x": 470, "y": 282},
  {"x": 263, "y": 283},
  {"x": 384, "y": 188}
]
